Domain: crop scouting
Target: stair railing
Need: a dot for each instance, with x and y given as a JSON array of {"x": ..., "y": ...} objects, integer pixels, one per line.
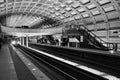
[{"x": 98, "y": 38}]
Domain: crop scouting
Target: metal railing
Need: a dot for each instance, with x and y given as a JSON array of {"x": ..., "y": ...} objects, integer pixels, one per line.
[{"x": 108, "y": 45}]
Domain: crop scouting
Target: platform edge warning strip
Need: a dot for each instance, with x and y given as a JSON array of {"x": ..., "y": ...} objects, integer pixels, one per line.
[{"x": 99, "y": 73}]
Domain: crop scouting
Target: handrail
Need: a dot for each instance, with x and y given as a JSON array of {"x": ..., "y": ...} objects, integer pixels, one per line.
[
  {"x": 102, "y": 41},
  {"x": 79, "y": 25},
  {"x": 94, "y": 34},
  {"x": 109, "y": 45},
  {"x": 83, "y": 25},
  {"x": 98, "y": 38}
]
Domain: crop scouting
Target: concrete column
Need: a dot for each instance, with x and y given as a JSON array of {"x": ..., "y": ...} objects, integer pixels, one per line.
[
  {"x": 108, "y": 32},
  {"x": 81, "y": 39},
  {"x": 37, "y": 39},
  {"x": 68, "y": 44},
  {"x": 59, "y": 42},
  {"x": 76, "y": 45},
  {"x": 23, "y": 43},
  {"x": 27, "y": 40},
  {"x": 20, "y": 40}
]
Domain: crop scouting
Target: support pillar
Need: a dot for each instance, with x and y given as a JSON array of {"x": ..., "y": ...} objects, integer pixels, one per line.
[
  {"x": 20, "y": 40},
  {"x": 23, "y": 41},
  {"x": 27, "y": 40},
  {"x": 68, "y": 44},
  {"x": 76, "y": 45},
  {"x": 59, "y": 42},
  {"x": 108, "y": 32}
]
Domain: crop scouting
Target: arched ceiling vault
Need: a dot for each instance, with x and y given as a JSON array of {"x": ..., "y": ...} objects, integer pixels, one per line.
[{"x": 97, "y": 14}]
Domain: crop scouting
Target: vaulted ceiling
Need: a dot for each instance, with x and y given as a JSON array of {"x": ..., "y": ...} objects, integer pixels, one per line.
[
  {"x": 30, "y": 12},
  {"x": 100, "y": 16}
]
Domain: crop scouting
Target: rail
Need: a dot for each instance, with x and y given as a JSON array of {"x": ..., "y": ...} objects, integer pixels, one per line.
[
  {"x": 106, "y": 62},
  {"x": 69, "y": 72}
]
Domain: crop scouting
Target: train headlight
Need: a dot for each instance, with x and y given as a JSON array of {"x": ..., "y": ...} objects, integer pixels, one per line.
[
  {"x": 112, "y": 51},
  {"x": 13, "y": 42}
]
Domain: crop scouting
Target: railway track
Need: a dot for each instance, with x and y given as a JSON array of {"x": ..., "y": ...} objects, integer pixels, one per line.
[
  {"x": 67, "y": 71},
  {"x": 75, "y": 56}
]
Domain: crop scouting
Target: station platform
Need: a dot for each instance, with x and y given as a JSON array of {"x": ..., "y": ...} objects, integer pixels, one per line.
[
  {"x": 84, "y": 49},
  {"x": 15, "y": 66},
  {"x": 7, "y": 69},
  {"x": 11, "y": 66}
]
